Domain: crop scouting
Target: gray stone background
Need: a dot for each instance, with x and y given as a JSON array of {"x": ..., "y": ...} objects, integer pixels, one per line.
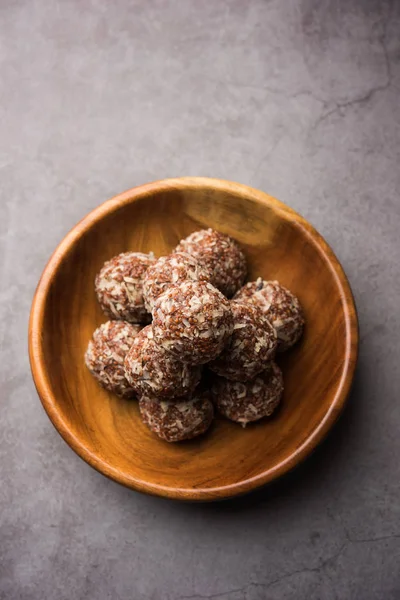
[{"x": 297, "y": 97}]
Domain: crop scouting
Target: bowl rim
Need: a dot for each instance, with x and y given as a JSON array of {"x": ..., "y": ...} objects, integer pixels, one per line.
[{"x": 49, "y": 402}]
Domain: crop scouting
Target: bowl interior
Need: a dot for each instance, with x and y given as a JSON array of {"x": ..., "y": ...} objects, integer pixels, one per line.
[{"x": 106, "y": 430}]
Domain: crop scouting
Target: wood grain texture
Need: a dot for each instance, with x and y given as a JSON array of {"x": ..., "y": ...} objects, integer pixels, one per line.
[{"x": 106, "y": 431}]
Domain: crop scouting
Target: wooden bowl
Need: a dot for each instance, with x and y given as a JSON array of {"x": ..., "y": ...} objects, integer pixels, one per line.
[{"x": 106, "y": 431}]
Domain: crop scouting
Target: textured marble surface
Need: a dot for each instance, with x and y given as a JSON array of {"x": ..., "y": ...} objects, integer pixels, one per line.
[{"x": 299, "y": 98}]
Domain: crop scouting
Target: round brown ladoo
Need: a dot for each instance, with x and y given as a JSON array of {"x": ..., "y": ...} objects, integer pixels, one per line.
[
  {"x": 279, "y": 305},
  {"x": 193, "y": 321},
  {"x": 220, "y": 255},
  {"x": 244, "y": 402},
  {"x": 180, "y": 419},
  {"x": 169, "y": 270},
  {"x": 119, "y": 287},
  {"x": 106, "y": 353},
  {"x": 151, "y": 370},
  {"x": 251, "y": 346}
]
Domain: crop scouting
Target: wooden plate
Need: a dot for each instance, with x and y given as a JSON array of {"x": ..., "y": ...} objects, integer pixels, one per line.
[{"x": 105, "y": 430}]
